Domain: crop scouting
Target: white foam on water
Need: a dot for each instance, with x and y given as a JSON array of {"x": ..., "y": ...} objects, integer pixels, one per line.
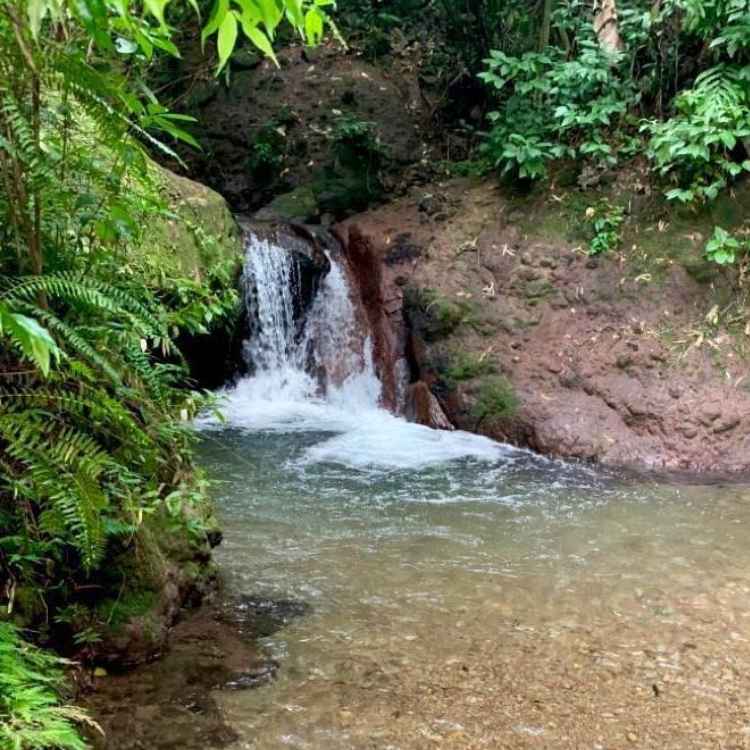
[{"x": 283, "y": 397}]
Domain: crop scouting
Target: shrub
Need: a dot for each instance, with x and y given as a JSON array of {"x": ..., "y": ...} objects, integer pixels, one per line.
[
  {"x": 465, "y": 366},
  {"x": 700, "y": 150},
  {"x": 605, "y": 222},
  {"x": 497, "y": 400},
  {"x": 554, "y": 107}
]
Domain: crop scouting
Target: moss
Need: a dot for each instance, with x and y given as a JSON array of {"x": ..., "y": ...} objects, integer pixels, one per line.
[
  {"x": 465, "y": 366},
  {"x": 298, "y": 205},
  {"x": 196, "y": 233},
  {"x": 119, "y": 611},
  {"x": 538, "y": 289},
  {"x": 435, "y": 317}
]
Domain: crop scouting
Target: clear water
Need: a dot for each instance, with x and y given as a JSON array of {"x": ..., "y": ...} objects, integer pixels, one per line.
[
  {"x": 467, "y": 594},
  {"x": 478, "y": 562}
]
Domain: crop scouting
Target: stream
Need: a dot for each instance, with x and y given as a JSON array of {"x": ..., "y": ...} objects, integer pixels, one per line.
[{"x": 461, "y": 593}]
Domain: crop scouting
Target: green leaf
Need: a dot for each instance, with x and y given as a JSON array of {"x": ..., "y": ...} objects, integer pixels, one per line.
[
  {"x": 33, "y": 340},
  {"x": 37, "y": 10},
  {"x": 227, "y": 38},
  {"x": 261, "y": 41},
  {"x": 218, "y": 13},
  {"x": 313, "y": 26},
  {"x": 156, "y": 8},
  {"x": 271, "y": 15}
]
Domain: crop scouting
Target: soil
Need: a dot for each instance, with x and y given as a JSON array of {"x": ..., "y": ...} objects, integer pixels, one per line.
[
  {"x": 624, "y": 358},
  {"x": 273, "y": 129}
]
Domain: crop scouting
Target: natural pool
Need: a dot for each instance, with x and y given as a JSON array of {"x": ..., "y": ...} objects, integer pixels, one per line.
[{"x": 467, "y": 594}]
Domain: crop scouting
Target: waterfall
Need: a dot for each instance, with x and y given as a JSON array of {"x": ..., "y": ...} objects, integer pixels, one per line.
[
  {"x": 271, "y": 281},
  {"x": 323, "y": 356},
  {"x": 312, "y": 371}
]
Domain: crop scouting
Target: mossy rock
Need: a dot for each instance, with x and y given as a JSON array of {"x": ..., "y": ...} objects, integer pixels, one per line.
[
  {"x": 434, "y": 317},
  {"x": 298, "y": 205},
  {"x": 197, "y": 232}
]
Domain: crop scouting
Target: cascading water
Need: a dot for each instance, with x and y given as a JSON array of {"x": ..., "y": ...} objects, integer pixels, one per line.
[{"x": 317, "y": 374}]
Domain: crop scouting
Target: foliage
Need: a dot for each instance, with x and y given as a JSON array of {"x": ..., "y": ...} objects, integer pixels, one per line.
[
  {"x": 554, "y": 107},
  {"x": 725, "y": 249},
  {"x": 31, "y": 714},
  {"x": 605, "y": 221},
  {"x": 697, "y": 148},
  {"x": 465, "y": 366},
  {"x": 259, "y": 21},
  {"x": 497, "y": 400},
  {"x": 434, "y": 316},
  {"x": 356, "y": 140}
]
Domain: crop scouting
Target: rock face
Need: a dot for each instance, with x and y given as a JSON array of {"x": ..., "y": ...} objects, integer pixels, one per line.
[
  {"x": 382, "y": 303},
  {"x": 318, "y": 135},
  {"x": 200, "y": 238},
  {"x": 423, "y": 407},
  {"x": 172, "y": 702},
  {"x": 201, "y": 233},
  {"x": 610, "y": 361}
]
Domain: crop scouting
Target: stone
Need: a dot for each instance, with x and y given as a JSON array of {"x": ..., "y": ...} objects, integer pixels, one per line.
[
  {"x": 297, "y": 205},
  {"x": 422, "y": 407},
  {"x": 727, "y": 424}
]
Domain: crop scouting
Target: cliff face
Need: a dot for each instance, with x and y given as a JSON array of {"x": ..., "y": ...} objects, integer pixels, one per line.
[{"x": 635, "y": 357}]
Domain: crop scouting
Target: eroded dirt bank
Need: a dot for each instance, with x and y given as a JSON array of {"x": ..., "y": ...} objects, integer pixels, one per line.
[{"x": 637, "y": 357}]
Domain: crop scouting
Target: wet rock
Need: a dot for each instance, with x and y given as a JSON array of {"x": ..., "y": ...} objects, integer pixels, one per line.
[
  {"x": 170, "y": 703},
  {"x": 640, "y": 402},
  {"x": 382, "y": 301},
  {"x": 298, "y": 205},
  {"x": 258, "y": 617},
  {"x": 423, "y": 407},
  {"x": 260, "y": 675}
]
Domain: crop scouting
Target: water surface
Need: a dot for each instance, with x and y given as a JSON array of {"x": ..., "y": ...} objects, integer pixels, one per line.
[{"x": 472, "y": 573}]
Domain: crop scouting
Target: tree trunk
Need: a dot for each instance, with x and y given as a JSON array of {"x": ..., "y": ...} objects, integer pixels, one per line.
[
  {"x": 546, "y": 24},
  {"x": 607, "y": 28}
]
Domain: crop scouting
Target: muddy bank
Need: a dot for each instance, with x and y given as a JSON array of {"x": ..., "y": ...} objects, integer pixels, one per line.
[
  {"x": 171, "y": 702},
  {"x": 633, "y": 358}
]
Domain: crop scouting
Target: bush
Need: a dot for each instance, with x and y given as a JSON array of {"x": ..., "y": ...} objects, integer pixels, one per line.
[
  {"x": 700, "y": 149},
  {"x": 497, "y": 400},
  {"x": 554, "y": 107},
  {"x": 464, "y": 366},
  {"x": 605, "y": 222}
]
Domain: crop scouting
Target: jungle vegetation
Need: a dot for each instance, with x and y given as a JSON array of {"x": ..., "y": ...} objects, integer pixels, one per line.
[{"x": 94, "y": 394}]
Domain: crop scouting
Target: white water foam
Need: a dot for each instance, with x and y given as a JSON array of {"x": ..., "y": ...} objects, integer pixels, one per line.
[{"x": 282, "y": 395}]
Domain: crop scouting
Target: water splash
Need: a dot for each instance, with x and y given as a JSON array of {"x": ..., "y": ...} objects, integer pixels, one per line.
[{"x": 317, "y": 375}]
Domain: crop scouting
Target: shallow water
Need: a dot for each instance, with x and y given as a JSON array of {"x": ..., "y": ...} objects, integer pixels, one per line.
[{"x": 440, "y": 580}]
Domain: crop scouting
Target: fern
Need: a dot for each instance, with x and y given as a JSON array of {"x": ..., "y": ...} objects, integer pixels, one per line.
[
  {"x": 31, "y": 714},
  {"x": 695, "y": 149}
]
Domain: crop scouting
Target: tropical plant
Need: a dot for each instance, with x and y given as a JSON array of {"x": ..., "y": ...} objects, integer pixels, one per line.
[
  {"x": 605, "y": 222},
  {"x": 701, "y": 148},
  {"x": 725, "y": 249},
  {"x": 32, "y": 715},
  {"x": 92, "y": 401},
  {"x": 554, "y": 107}
]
